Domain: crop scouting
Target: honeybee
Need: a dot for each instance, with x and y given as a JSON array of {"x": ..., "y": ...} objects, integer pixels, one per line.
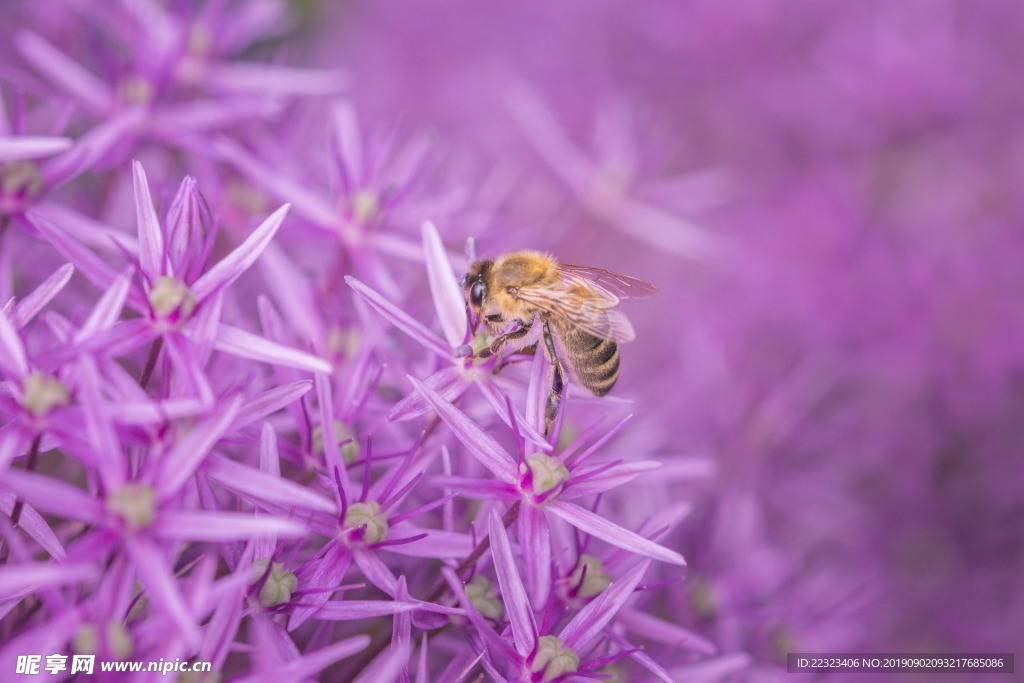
[{"x": 527, "y": 297}]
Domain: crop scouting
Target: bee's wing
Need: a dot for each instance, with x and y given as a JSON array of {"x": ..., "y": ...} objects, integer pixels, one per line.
[
  {"x": 617, "y": 285},
  {"x": 587, "y": 309}
]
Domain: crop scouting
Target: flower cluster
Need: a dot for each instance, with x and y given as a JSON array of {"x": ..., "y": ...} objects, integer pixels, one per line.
[{"x": 245, "y": 417}]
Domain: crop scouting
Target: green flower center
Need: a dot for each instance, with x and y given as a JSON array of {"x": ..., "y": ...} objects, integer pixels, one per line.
[
  {"x": 366, "y": 523},
  {"x": 41, "y": 393},
  {"x": 484, "y": 598},
  {"x": 553, "y": 659},
  {"x": 588, "y": 579},
  {"x": 546, "y": 475},
  {"x": 280, "y": 583},
  {"x": 135, "y": 504},
  {"x": 169, "y": 296},
  {"x": 20, "y": 178},
  {"x": 349, "y": 449},
  {"x": 365, "y": 206}
]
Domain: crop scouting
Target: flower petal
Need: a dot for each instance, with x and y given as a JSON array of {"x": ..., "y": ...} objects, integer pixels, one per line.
[
  {"x": 400, "y": 319},
  {"x": 12, "y": 350},
  {"x": 184, "y": 458},
  {"x": 612, "y": 533},
  {"x": 256, "y": 485},
  {"x": 151, "y": 238},
  {"x": 480, "y": 444},
  {"x": 238, "y": 261},
  {"x": 244, "y": 344},
  {"x": 21, "y": 579},
  {"x": 517, "y": 606},
  {"x": 596, "y": 614},
  {"x": 32, "y": 303},
  {"x": 449, "y": 301},
  {"x": 223, "y": 526},
  {"x": 535, "y": 541},
  {"x": 31, "y": 147}
]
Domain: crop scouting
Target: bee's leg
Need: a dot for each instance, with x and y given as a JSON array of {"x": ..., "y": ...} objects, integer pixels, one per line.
[
  {"x": 517, "y": 333},
  {"x": 557, "y": 382}
]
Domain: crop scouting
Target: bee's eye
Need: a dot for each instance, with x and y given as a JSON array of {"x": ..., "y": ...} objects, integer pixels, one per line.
[{"x": 476, "y": 294}]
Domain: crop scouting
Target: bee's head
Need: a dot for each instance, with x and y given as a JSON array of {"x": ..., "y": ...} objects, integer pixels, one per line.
[{"x": 474, "y": 286}]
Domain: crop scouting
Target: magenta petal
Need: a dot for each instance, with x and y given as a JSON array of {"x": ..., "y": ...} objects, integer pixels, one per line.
[
  {"x": 493, "y": 640},
  {"x": 21, "y": 579},
  {"x": 272, "y": 78},
  {"x": 307, "y": 204},
  {"x": 612, "y": 533},
  {"x": 55, "y": 497},
  {"x": 238, "y": 261},
  {"x": 108, "y": 309},
  {"x": 32, "y": 303},
  {"x": 448, "y": 299},
  {"x": 349, "y": 610},
  {"x": 161, "y": 588},
  {"x": 223, "y": 526},
  {"x": 661, "y": 631},
  {"x": 87, "y": 263},
  {"x": 480, "y": 445},
  {"x": 400, "y": 319},
  {"x": 517, "y": 606},
  {"x": 244, "y": 344},
  {"x": 326, "y": 572},
  {"x": 184, "y": 458},
  {"x": 151, "y": 238},
  {"x": 256, "y": 485},
  {"x": 308, "y": 665},
  {"x": 375, "y": 571},
  {"x": 589, "y": 621},
  {"x": 261, "y": 405},
  {"x": 606, "y": 476},
  {"x": 535, "y": 540},
  {"x": 64, "y": 72},
  {"x": 497, "y": 401},
  {"x": 12, "y": 351},
  {"x": 449, "y": 383},
  {"x": 34, "y": 525},
  {"x": 348, "y": 143}
]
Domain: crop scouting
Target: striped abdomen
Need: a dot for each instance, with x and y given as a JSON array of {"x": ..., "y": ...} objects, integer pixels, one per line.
[{"x": 593, "y": 360}]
